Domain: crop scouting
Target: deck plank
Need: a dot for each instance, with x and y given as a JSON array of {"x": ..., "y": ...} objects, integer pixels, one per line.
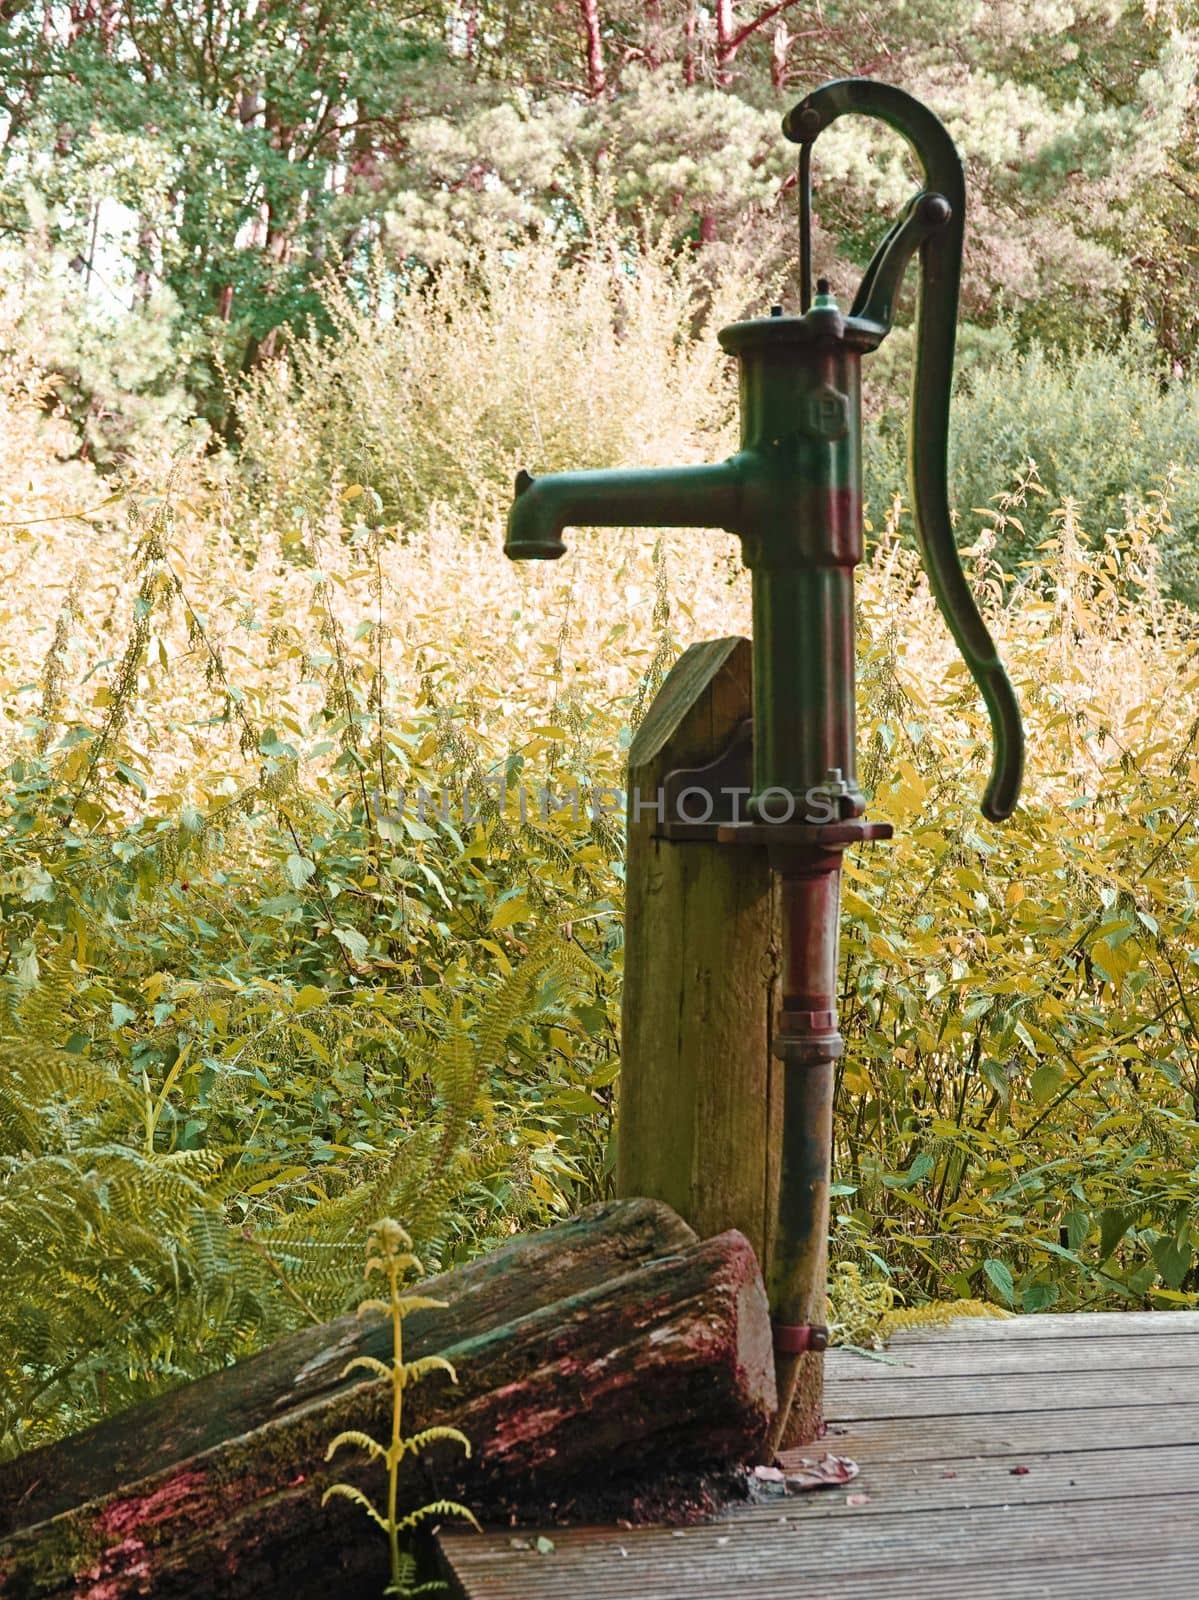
[
  {"x": 840, "y": 1556},
  {"x": 911, "y": 1395},
  {"x": 1016, "y": 1433},
  {"x": 1079, "y": 1356},
  {"x": 1099, "y": 1411},
  {"x": 1072, "y": 1325}
]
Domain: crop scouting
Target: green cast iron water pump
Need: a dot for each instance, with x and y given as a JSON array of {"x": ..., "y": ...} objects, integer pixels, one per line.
[{"x": 793, "y": 493}]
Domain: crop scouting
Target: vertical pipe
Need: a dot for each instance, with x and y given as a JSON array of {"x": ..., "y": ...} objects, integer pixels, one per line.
[{"x": 808, "y": 1042}]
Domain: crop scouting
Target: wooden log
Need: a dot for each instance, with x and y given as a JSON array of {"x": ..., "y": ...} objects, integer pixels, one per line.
[
  {"x": 701, "y": 1095},
  {"x": 529, "y": 1272},
  {"x": 667, "y": 1364}
]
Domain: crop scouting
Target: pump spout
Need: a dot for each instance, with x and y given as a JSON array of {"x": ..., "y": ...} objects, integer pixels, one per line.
[{"x": 658, "y": 497}]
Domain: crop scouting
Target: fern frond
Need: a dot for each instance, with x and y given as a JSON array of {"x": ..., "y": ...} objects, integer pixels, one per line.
[
  {"x": 355, "y": 1436},
  {"x": 347, "y": 1491},
  {"x": 417, "y": 1441},
  {"x": 408, "y": 1303},
  {"x": 935, "y": 1314},
  {"x": 367, "y": 1364},
  {"x": 436, "y": 1508},
  {"x": 413, "y": 1371}
]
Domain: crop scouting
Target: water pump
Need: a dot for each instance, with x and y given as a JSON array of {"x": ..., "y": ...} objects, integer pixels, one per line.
[{"x": 793, "y": 494}]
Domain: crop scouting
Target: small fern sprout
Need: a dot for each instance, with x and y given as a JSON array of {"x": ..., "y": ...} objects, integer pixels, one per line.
[{"x": 389, "y": 1253}]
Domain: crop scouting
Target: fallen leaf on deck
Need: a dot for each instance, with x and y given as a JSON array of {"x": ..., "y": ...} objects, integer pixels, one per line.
[
  {"x": 803, "y": 1472},
  {"x": 1019, "y": 1472},
  {"x": 857, "y": 1499},
  {"x": 544, "y": 1546}
]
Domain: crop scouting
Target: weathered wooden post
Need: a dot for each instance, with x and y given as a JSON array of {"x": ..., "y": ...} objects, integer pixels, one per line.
[
  {"x": 701, "y": 989},
  {"x": 728, "y": 1068}
]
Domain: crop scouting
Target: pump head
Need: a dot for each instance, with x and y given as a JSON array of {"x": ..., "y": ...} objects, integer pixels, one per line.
[{"x": 793, "y": 490}]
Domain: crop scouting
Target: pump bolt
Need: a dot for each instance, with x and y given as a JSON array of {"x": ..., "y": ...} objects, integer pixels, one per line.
[{"x": 804, "y": 123}]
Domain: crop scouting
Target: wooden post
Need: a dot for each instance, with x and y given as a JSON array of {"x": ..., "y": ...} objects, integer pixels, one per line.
[{"x": 701, "y": 1094}]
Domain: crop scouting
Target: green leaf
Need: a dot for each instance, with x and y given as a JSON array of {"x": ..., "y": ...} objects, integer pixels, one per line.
[
  {"x": 1000, "y": 1275},
  {"x": 299, "y": 869},
  {"x": 353, "y": 942},
  {"x": 1173, "y": 1261},
  {"x": 509, "y": 912},
  {"x": 1113, "y": 1225},
  {"x": 1039, "y": 1296},
  {"x": 1077, "y": 1225},
  {"x": 1045, "y": 1082}
]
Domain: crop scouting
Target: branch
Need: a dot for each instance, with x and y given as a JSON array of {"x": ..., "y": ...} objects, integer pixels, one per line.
[{"x": 732, "y": 45}]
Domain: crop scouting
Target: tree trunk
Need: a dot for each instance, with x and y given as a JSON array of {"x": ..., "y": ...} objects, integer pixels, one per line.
[
  {"x": 690, "y": 68},
  {"x": 780, "y": 49},
  {"x": 597, "y": 79},
  {"x": 575, "y": 1406},
  {"x": 726, "y": 43}
]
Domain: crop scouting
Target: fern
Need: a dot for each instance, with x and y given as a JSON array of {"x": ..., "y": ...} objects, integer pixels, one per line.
[
  {"x": 862, "y": 1311},
  {"x": 934, "y": 1314},
  {"x": 121, "y": 1274},
  {"x": 389, "y": 1252},
  {"x": 317, "y": 1249}
]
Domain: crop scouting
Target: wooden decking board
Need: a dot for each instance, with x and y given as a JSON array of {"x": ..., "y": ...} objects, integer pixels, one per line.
[
  {"x": 1106, "y": 1422},
  {"x": 1094, "y": 1356},
  {"x": 1015, "y": 1434},
  {"x": 1075, "y": 1325},
  {"x": 902, "y": 1395},
  {"x": 1167, "y": 1575},
  {"x": 899, "y": 1551},
  {"x": 1152, "y": 1472}
]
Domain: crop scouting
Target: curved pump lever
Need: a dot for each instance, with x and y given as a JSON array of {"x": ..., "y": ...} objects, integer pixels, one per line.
[{"x": 933, "y": 223}]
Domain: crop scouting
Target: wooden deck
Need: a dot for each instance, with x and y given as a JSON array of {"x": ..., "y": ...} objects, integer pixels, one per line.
[{"x": 1102, "y": 1411}]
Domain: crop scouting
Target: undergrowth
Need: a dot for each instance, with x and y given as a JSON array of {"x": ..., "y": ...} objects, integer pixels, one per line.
[{"x": 311, "y": 877}]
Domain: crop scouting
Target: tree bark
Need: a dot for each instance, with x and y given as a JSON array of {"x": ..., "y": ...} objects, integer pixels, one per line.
[
  {"x": 663, "y": 1367},
  {"x": 726, "y": 48},
  {"x": 597, "y": 78},
  {"x": 690, "y": 68}
]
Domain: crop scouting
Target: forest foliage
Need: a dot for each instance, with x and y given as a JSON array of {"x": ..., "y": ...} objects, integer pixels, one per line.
[{"x": 282, "y": 950}]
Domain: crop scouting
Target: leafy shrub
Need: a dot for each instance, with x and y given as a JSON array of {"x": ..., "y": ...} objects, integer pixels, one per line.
[
  {"x": 1104, "y": 427},
  {"x": 1017, "y": 1106},
  {"x": 436, "y": 396}
]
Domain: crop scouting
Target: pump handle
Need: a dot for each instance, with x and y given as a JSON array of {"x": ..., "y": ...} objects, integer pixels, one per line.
[{"x": 940, "y": 246}]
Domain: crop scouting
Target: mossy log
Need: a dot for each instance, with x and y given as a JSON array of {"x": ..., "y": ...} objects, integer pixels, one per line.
[
  {"x": 531, "y": 1271},
  {"x": 577, "y": 1388}
]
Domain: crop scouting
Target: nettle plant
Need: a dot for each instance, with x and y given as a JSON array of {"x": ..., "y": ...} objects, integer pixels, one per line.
[
  {"x": 1016, "y": 1110},
  {"x": 389, "y": 1254}
]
